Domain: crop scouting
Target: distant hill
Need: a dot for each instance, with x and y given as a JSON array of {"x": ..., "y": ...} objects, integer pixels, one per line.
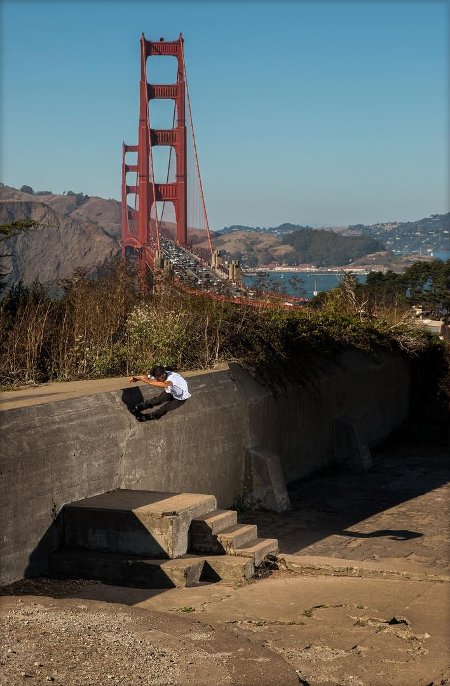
[
  {"x": 327, "y": 248},
  {"x": 302, "y": 244},
  {"x": 424, "y": 236},
  {"x": 69, "y": 236},
  {"x": 93, "y": 209},
  {"x": 292, "y": 244},
  {"x": 276, "y": 230}
]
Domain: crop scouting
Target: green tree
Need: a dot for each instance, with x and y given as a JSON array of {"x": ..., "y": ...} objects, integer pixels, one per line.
[
  {"x": 428, "y": 284},
  {"x": 13, "y": 228}
]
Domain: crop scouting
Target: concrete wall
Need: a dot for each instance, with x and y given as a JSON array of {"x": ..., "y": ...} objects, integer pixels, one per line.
[{"x": 60, "y": 452}]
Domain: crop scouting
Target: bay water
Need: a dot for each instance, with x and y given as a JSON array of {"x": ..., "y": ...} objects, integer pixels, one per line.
[{"x": 301, "y": 284}]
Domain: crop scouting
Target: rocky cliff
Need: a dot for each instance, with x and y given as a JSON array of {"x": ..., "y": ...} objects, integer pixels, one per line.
[{"x": 68, "y": 236}]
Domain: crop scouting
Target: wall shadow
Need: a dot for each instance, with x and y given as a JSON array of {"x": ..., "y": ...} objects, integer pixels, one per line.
[
  {"x": 393, "y": 534},
  {"x": 131, "y": 396}
]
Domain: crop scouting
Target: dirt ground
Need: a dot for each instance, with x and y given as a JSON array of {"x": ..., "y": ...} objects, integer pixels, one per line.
[{"x": 359, "y": 596}]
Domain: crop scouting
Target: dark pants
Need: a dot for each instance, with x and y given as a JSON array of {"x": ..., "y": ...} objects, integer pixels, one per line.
[{"x": 167, "y": 401}]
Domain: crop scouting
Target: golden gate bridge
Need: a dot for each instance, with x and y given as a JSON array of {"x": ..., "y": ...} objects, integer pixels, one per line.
[
  {"x": 176, "y": 208},
  {"x": 167, "y": 221}
]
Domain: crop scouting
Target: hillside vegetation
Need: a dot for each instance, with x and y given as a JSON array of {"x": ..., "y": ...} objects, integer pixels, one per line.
[
  {"x": 303, "y": 246},
  {"x": 89, "y": 328},
  {"x": 326, "y": 248}
]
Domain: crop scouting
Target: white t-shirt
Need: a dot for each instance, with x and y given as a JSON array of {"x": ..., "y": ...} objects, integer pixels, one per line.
[{"x": 179, "y": 388}]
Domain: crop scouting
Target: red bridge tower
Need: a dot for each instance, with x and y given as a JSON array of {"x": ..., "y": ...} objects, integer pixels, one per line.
[{"x": 140, "y": 228}]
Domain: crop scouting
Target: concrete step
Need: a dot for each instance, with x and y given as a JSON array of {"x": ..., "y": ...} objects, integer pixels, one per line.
[
  {"x": 236, "y": 536},
  {"x": 258, "y": 549},
  {"x": 126, "y": 570},
  {"x": 205, "y": 527},
  {"x": 149, "y": 524},
  {"x": 227, "y": 568}
]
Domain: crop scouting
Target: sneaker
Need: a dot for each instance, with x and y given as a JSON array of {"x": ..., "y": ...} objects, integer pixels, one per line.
[
  {"x": 142, "y": 417},
  {"x": 137, "y": 408}
]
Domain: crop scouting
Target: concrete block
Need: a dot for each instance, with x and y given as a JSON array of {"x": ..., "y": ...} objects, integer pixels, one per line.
[
  {"x": 264, "y": 480},
  {"x": 257, "y": 549},
  {"x": 144, "y": 523},
  {"x": 227, "y": 568}
]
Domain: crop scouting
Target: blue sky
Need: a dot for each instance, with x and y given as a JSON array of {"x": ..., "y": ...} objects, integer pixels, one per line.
[{"x": 325, "y": 112}]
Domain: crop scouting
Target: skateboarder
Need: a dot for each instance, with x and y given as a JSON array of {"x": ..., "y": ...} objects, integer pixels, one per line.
[{"x": 174, "y": 395}]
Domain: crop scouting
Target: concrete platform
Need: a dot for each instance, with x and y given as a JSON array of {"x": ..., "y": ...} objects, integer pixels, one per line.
[
  {"x": 145, "y": 523},
  {"x": 139, "y": 572}
]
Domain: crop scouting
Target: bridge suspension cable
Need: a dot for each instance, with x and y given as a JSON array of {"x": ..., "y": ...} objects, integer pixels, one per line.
[
  {"x": 199, "y": 178},
  {"x": 154, "y": 235}
]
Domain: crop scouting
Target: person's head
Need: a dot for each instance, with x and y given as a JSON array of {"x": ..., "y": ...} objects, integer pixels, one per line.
[{"x": 159, "y": 373}]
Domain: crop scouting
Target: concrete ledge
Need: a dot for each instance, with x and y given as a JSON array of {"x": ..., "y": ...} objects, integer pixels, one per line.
[
  {"x": 330, "y": 566},
  {"x": 56, "y": 391}
]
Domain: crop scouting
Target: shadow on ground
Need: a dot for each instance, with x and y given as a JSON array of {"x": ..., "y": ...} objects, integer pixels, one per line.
[{"x": 396, "y": 509}]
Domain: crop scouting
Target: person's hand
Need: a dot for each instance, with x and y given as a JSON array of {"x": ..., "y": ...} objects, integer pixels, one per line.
[{"x": 134, "y": 378}]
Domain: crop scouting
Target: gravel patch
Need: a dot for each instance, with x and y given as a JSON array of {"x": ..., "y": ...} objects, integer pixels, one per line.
[{"x": 78, "y": 647}]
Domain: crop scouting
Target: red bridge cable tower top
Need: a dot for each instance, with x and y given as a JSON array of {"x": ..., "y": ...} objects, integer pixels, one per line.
[{"x": 141, "y": 227}]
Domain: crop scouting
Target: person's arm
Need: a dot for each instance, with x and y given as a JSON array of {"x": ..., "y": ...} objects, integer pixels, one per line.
[{"x": 151, "y": 382}]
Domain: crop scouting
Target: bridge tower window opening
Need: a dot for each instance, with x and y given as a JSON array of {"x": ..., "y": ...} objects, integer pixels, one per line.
[
  {"x": 162, "y": 113},
  {"x": 162, "y": 68}
]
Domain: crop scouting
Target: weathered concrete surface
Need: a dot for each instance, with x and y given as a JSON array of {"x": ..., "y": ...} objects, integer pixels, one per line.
[
  {"x": 333, "y": 631},
  {"x": 126, "y": 570},
  {"x": 264, "y": 479},
  {"x": 368, "y": 390},
  {"x": 60, "y": 452},
  {"x": 40, "y": 394}
]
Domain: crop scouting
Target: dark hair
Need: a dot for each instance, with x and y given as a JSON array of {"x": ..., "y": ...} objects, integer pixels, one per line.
[{"x": 158, "y": 371}]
